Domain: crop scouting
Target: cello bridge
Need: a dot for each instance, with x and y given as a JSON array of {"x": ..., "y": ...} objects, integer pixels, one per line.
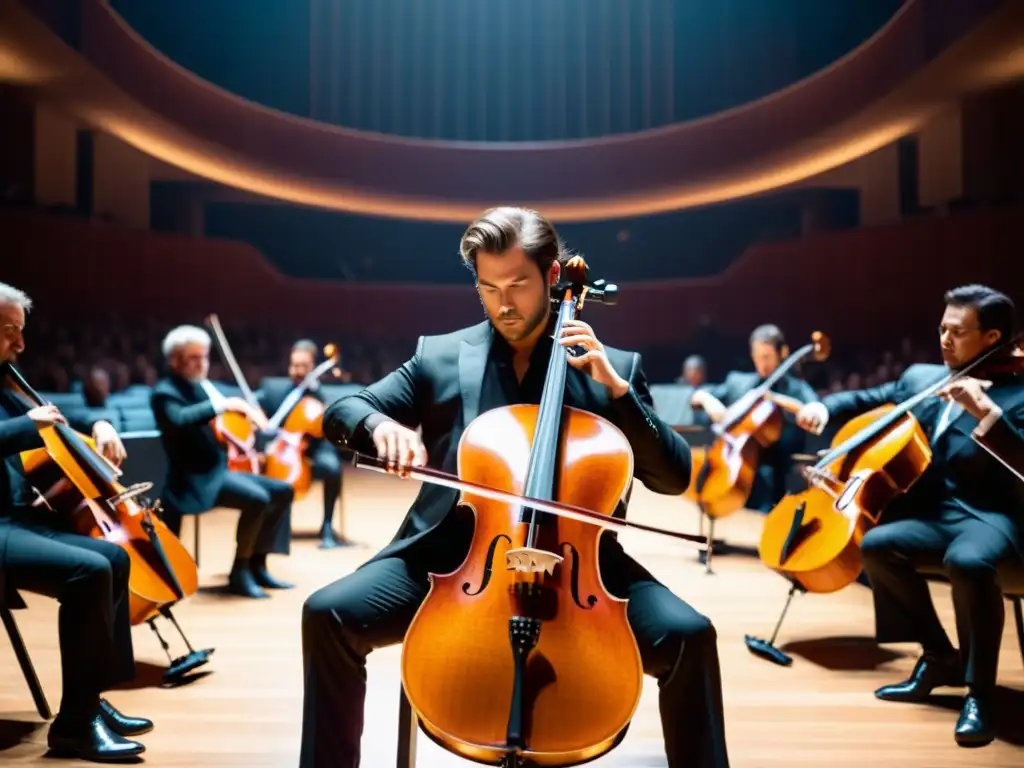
[
  {"x": 530, "y": 560},
  {"x": 129, "y": 493}
]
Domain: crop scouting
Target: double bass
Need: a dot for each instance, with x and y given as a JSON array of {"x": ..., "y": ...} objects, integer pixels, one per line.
[
  {"x": 521, "y": 656},
  {"x": 813, "y": 538},
  {"x": 723, "y": 474},
  {"x": 97, "y": 505}
]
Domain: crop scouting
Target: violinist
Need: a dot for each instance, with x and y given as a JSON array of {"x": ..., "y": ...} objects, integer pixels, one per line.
[
  {"x": 965, "y": 509},
  {"x": 198, "y": 477},
  {"x": 515, "y": 256},
  {"x": 324, "y": 456},
  {"x": 40, "y": 553},
  {"x": 767, "y": 351}
]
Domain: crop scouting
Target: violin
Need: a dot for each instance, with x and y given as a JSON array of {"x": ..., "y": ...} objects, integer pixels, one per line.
[
  {"x": 813, "y": 537},
  {"x": 298, "y": 419},
  {"x": 521, "y": 655},
  {"x": 723, "y": 474},
  {"x": 162, "y": 571}
]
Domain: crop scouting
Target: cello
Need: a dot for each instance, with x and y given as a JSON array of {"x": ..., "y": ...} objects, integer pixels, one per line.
[
  {"x": 813, "y": 538},
  {"x": 235, "y": 432},
  {"x": 162, "y": 572},
  {"x": 723, "y": 474},
  {"x": 298, "y": 419},
  {"x": 520, "y": 656}
]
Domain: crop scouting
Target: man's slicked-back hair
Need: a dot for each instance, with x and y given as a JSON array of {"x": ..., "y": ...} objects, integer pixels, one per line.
[
  {"x": 499, "y": 229},
  {"x": 996, "y": 310}
]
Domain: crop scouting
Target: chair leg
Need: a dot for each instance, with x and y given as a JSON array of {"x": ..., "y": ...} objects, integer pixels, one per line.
[
  {"x": 195, "y": 539},
  {"x": 1018, "y": 615},
  {"x": 407, "y": 732},
  {"x": 25, "y": 662}
]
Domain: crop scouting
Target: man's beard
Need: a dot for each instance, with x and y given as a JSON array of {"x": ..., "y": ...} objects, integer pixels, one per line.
[{"x": 530, "y": 325}]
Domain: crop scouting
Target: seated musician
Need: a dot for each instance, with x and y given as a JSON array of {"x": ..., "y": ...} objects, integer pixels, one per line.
[
  {"x": 198, "y": 477},
  {"x": 324, "y": 456},
  {"x": 965, "y": 510},
  {"x": 767, "y": 351},
  {"x": 515, "y": 257},
  {"x": 40, "y": 553}
]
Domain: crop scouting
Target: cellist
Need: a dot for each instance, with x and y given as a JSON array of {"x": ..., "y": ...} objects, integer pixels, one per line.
[
  {"x": 767, "y": 351},
  {"x": 965, "y": 510},
  {"x": 515, "y": 256},
  {"x": 325, "y": 459},
  {"x": 198, "y": 477},
  {"x": 40, "y": 553}
]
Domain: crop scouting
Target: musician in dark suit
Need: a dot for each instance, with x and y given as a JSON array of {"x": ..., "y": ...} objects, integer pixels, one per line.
[
  {"x": 966, "y": 510},
  {"x": 767, "y": 351},
  {"x": 514, "y": 255},
  {"x": 198, "y": 477},
  {"x": 323, "y": 455},
  {"x": 39, "y": 552}
]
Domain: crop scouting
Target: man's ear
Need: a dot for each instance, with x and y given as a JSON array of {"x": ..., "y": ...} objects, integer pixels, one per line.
[
  {"x": 784, "y": 351},
  {"x": 554, "y": 273}
]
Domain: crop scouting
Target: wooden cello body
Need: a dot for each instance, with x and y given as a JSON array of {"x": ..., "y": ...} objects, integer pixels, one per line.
[
  {"x": 285, "y": 456},
  {"x": 728, "y": 467},
  {"x": 814, "y": 536},
  {"x": 723, "y": 474},
  {"x": 99, "y": 506},
  {"x": 521, "y": 654}
]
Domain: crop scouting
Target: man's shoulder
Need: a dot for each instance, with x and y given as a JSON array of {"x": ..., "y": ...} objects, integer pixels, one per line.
[
  {"x": 622, "y": 360},
  {"x": 166, "y": 388},
  {"x": 438, "y": 344},
  {"x": 923, "y": 374}
]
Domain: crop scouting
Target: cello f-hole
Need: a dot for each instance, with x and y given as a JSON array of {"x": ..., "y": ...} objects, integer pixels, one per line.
[
  {"x": 488, "y": 566},
  {"x": 574, "y": 578}
]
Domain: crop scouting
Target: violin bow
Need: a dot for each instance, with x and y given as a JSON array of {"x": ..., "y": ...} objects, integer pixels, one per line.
[
  {"x": 425, "y": 474},
  {"x": 229, "y": 359}
]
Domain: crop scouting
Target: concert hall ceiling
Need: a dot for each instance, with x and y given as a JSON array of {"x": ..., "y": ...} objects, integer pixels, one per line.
[{"x": 922, "y": 60}]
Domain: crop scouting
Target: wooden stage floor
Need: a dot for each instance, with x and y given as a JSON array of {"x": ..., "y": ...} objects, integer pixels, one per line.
[{"x": 247, "y": 710}]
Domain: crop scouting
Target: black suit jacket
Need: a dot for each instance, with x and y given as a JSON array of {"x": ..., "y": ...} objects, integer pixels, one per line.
[
  {"x": 18, "y": 433},
  {"x": 439, "y": 390},
  {"x": 961, "y": 472},
  {"x": 196, "y": 461}
]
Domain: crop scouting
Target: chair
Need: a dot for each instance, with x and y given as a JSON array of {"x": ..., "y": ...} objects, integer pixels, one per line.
[
  {"x": 408, "y": 730},
  {"x": 1011, "y": 579},
  {"x": 11, "y": 600}
]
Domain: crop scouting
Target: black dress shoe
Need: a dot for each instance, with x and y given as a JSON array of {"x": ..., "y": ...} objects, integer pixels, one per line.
[
  {"x": 90, "y": 740},
  {"x": 263, "y": 577},
  {"x": 929, "y": 673},
  {"x": 974, "y": 726},
  {"x": 241, "y": 581},
  {"x": 122, "y": 724}
]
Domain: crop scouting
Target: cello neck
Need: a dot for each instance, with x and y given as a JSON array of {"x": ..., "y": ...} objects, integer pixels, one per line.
[
  {"x": 544, "y": 458},
  {"x": 90, "y": 472}
]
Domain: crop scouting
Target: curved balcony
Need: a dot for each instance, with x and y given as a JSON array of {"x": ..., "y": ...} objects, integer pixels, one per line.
[{"x": 928, "y": 56}]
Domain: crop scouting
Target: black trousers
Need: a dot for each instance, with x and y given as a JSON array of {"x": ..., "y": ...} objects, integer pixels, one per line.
[
  {"x": 327, "y": 468},
  {"x": 969, "y": 549},
  {"x": 372, "y": 608},
  {"x": 89, "y": 578},
  {"x": 265, "y": 525}
]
